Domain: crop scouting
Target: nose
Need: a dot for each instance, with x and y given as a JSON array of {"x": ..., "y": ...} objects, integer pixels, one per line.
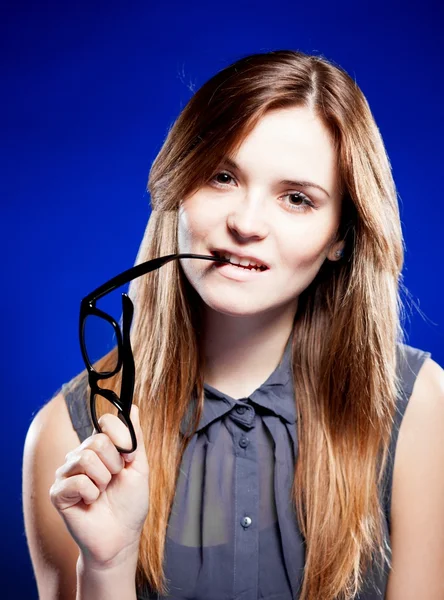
[{"x": 248, "y": 220}]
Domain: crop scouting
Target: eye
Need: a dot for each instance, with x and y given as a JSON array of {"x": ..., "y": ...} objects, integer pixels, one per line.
[
  {"x": 222, "y": 179},
  {"x": 303, "y": 202}
]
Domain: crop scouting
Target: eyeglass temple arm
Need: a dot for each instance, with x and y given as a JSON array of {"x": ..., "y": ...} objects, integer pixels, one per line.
[
  {"x": 128, "y": 359},
  {"x": 137, "y": 271}
]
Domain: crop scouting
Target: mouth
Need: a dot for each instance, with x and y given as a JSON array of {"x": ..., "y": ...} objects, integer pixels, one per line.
[{"x": 258, "y": 266}]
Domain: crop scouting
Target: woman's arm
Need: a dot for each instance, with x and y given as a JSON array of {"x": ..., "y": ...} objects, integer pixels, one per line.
[
  {"x": 417, "y": 511},
  {"x": 117, "y": 583},
  {"x": 59, "y": 569},
  {"x": 53, "y": 552}
]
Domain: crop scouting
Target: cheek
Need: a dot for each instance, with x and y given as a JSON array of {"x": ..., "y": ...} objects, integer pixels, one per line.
[
  {"x": 306, "y": 247},
  {"x": 307, "y": 258},
  {"x": 188, "y": 230},
  {"x": 184, "y": 235},
  {"x": 194, "y": 226},
  {"x": 193, "y": 231},
  {"x": 306, "y": 253}
]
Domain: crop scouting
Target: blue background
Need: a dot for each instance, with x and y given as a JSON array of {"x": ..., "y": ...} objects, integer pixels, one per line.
[{"x": 89, "y": 91}]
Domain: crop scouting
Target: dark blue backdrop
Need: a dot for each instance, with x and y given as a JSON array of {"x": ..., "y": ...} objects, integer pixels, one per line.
[{"x": 89, "y": 91}]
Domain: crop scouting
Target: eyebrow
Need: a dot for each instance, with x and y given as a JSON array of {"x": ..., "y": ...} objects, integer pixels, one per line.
[{"x": 289, "y": 182}]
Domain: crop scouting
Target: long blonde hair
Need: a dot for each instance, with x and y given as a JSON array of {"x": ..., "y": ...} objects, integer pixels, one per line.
[{"x": 345, "y": 330}]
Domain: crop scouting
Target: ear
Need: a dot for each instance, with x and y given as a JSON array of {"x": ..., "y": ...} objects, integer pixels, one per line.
[{"x": 336, "y": 251}]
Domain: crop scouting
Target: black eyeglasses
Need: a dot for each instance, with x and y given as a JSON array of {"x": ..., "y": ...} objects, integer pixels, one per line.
[{"x": 124, "y": 353}]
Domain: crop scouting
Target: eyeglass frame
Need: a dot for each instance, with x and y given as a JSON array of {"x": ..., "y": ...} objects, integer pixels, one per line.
[{"x": 125, "y": 358}]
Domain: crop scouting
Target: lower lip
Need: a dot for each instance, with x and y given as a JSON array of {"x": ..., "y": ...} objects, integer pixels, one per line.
[{"x": 239, "y": 273}]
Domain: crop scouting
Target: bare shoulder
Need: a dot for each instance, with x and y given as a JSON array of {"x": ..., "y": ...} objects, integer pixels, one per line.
[
  {"x": 53, "y": 552},
  {"x": 418, "y": 493}
]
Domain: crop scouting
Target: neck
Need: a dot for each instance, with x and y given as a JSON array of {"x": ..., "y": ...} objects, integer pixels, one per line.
[{"x": 242, "y": 352}]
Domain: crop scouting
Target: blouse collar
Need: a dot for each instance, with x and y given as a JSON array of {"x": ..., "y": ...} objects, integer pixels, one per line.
[{"x": 275, "y": 395}]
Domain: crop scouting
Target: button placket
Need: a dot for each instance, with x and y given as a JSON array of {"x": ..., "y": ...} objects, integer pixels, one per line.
[{"x": 246, "y": 501}]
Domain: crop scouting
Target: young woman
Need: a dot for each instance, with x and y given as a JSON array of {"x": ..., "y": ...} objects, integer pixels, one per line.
[{"x": 268, "y": 402}]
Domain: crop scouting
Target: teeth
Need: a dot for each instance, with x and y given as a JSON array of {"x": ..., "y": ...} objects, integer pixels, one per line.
[{"x": 244, "y": 262}]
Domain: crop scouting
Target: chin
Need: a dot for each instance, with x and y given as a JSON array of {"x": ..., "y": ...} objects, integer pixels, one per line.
[{"x": 233, "y": 308}]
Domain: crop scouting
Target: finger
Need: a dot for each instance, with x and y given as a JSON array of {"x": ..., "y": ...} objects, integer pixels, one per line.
[
  {"x": 101, "y": 444},
  {"x": 65, "y": 493},
  {"x": 116, "y": 430},
  {"x": 86, "y": 462}
]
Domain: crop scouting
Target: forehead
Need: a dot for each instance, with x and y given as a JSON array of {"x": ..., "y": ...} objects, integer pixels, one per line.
[{"x": 288, "y": 143}]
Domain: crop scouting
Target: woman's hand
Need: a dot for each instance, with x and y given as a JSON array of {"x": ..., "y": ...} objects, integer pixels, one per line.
[{"x": 103, "y": 496}]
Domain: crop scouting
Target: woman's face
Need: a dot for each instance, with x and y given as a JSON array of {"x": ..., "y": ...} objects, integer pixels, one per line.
[{"x": 278, "y": 200}]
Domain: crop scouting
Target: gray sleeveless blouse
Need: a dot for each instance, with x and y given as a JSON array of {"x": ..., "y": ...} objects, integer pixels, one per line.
[{"x": 233, "y": 533}]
